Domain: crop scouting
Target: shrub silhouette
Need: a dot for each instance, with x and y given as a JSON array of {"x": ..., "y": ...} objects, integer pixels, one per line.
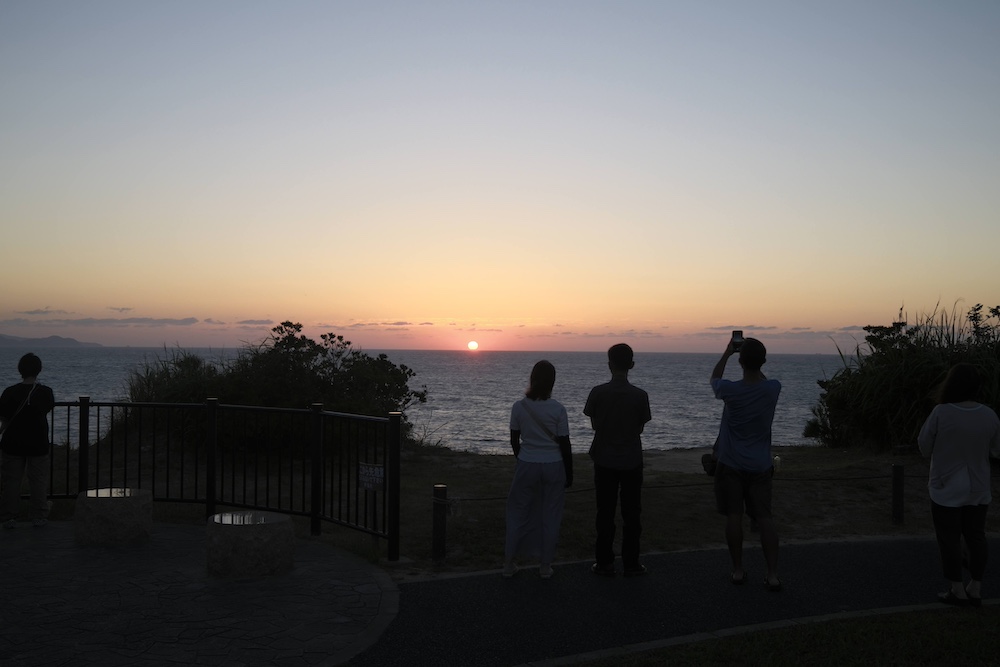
[
  {"x": 882, "y": 394},
  {"x": 286, "y": 370}
]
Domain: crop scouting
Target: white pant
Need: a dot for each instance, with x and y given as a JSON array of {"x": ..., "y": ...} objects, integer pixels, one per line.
[
  {"x": 12, "y": 469},
  {"x": 534, "y": 510}
]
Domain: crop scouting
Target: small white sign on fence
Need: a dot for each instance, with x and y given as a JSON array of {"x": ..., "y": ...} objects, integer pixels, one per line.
[{"x": 371, "y": 477}]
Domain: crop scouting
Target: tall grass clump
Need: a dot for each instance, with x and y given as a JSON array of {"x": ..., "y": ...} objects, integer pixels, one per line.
[{"x": 883, "y": 392}]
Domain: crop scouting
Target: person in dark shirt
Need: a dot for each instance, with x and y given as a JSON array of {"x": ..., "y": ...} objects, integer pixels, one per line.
[
  {"x": 24, "y": 409},
  {"x": 618, "y": 413}
]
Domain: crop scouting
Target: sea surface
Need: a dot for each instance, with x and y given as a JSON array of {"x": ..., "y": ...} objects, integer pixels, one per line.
[{"x": 470, "y": 393}]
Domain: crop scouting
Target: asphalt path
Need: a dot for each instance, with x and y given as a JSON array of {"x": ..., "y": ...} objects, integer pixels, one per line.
[{"x": 484, "y": 619}]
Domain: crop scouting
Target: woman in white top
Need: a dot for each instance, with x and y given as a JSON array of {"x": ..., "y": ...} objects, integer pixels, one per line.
[
  {"x": 539, "y": 436},
  {"x": 959, "y": 437}
]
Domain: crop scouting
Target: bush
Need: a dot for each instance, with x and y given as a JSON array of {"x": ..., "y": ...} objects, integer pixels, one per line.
[
  {"x": 287, "y": 370},
  {"x": 883, "y": 394}
]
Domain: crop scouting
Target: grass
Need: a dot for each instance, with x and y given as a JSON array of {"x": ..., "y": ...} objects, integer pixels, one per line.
[
  {"x": 820, "y": 494},
  {"x": 941, "y": 637}
]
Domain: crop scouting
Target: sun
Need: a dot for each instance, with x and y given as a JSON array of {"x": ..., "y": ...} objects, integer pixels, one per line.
[{"x": 473, "y": 345}]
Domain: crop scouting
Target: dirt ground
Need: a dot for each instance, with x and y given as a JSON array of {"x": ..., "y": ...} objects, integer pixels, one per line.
[{"x": 819, "y": 494}]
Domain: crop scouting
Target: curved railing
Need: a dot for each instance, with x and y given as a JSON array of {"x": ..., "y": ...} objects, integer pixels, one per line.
[{"x": 332, "y": 467}]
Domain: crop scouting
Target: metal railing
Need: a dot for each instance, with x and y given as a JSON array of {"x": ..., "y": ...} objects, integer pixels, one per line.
[{"x": 332, "y": 467}]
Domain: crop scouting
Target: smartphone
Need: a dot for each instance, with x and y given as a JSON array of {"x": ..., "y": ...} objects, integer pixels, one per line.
[{"x": 737, "y": 340}]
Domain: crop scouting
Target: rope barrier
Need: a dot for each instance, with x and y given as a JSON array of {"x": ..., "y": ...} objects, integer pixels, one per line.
[
  {"x": 781, "y": 478},
  {"x": 444, "y": 506}
]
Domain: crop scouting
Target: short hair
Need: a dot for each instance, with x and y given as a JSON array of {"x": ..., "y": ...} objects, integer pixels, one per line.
[
  {"x": 29, "y": 366},
  {"x": 753, "y": 354},
  {"x": 960, "y": 384},
  {"x": 620, "y": 356},
  {"x": 543, "y": 378}
]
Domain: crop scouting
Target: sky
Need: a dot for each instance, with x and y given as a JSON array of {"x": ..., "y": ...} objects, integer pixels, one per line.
[{"x": 529, "y": 175}]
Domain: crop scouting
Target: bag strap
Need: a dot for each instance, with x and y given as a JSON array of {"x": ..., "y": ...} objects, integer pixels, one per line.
[
  {"x": 534, "y": 416},
  {"x": 21, "y": 407}
]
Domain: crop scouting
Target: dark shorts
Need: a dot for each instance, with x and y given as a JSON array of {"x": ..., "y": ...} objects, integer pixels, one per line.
[{"x": 736, "y": 490}]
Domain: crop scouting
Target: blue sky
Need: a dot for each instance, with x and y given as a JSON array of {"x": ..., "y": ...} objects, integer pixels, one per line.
[{"x": 554, "y": 175}]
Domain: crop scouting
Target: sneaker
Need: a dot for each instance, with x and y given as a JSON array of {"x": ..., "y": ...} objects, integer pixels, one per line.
[
  {"x": 509, "y": 569},
  {"x": 10, "y": 523},
  {"x": 545, "y": 571},
  {"x": 38, "y": 523},
  {"x": 603, "y": 570},
  {"x": 636, "y": 571}
]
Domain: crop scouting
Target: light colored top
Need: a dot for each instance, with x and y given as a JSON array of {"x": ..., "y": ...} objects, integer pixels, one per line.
[
  {"x": 745, "y": 429},
  {"x": 536, "y": 445},
  {"x": 959, "y": 437}
]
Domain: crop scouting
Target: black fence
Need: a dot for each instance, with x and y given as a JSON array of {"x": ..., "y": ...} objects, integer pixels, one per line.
[{"x": 339, "y": 468}]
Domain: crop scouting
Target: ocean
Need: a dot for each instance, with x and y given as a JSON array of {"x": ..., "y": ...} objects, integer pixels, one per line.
[{"x": 470, "y": 393}]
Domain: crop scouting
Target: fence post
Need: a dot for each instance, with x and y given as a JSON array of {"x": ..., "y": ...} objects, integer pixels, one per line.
[
  {"x": 392, "y": 484},
  {"x": 212, "y": 443},
  {"x": 897, "y": 493},
  {"x": 316, "y": 468},
  {"x": 440, "y": 521},
  {"x": 83, "y": 445}
]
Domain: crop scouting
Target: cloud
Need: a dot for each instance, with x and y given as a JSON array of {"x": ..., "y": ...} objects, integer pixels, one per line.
[
  {"x": 211, "y": 320},
  {"x": 107, "y": 322},
  {"x": 426, "y": 324},
  {"x": 744, "y": 327},
  {"x": 43, "y": 311},
  {"x": 627, "y": 333},
  {"x": 121, "y": 309}
]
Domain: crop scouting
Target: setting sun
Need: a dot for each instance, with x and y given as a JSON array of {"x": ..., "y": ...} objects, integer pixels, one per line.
[{"x": 473, "y": 345}]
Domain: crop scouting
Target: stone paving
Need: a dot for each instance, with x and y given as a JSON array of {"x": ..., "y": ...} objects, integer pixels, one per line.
[{"x": 155, "y": 604}]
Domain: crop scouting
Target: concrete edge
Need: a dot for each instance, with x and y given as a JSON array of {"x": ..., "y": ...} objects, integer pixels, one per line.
[{"x": 388, "y": 608}]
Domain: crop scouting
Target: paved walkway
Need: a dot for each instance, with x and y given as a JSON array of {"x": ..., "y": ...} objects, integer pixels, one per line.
[
  {"x": 487, "y": 620},
  {"x": 154, "y": 604}
]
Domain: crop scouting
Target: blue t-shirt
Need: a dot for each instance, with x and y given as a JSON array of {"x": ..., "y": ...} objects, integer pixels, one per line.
[{"x": 745, "y": 432}]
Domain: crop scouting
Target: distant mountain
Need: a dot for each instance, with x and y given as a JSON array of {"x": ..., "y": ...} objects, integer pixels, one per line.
[{"x": 49, "y": 341}]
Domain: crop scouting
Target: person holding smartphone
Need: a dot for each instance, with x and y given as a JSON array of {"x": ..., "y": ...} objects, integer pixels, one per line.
[{"x": 744, "y": 469}]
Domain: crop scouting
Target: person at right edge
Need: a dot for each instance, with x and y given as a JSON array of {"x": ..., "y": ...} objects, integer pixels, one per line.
[
  {"x": 745, "y": 467},
  {"x": 618, "y": 413},
  {"x": 959, "y": 436}
]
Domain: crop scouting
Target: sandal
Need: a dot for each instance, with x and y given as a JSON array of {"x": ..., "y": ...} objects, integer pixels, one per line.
[
  {"x": 772, "y": 588},
  {"x": 739, "y": 581}
]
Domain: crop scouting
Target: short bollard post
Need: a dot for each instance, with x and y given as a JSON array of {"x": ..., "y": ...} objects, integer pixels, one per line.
[
  {"x": 440, "y": 520},
  {"x": 897, "y": 493}
]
